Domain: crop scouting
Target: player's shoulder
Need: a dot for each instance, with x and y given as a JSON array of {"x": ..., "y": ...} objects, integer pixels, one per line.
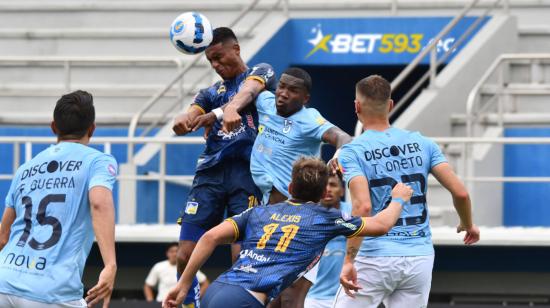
[{"x": 266, "y": 97}]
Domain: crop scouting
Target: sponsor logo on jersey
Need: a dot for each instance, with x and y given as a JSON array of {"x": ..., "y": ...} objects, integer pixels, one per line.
[
  {"x": 320, "y": 121},
  {"x": 342, "y": 222},
  {"x": 221, "y": 89},
  {"x": 25, "y": 262},
  {"x": 241, "y": 129},
  {"x": 51, "y": 167},
  {"x": 246, "y": 268},
  {"x": 191, "y": 207},
  {"x": 248, "y": 253}
]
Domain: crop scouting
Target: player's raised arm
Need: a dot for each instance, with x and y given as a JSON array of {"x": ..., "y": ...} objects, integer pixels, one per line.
[
  {"x": 255, "y": 83},
  {"x": 461, "y": 200},
  {"x": 183, "y": 122},
  {"x": 103, "y": 220},
  {"x": 337, "y": 138},
  {"x": 5, "y": 226},
  {"x": 224, "y": 233},
  {"x": 382, "y": 222}
]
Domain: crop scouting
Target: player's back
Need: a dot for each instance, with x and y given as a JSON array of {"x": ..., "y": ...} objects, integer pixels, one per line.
[
  {"x": 52, "y": 233},
  {"x": 282, "y": 241},
  {"x": 386, "y": 158}
]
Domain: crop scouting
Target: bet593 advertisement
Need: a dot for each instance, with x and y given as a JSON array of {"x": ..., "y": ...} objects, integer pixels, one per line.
[{"x": 366, "y": 41}]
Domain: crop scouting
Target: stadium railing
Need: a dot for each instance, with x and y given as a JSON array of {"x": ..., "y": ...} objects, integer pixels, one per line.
[{"x": 185, "y": 179}]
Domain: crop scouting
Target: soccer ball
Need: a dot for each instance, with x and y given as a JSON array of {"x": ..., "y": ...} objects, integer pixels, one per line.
[{"x": 191, "y": 33}]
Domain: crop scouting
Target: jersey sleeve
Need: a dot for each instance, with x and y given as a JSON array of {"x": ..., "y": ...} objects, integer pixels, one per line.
[
  {"x": 103, "y": 172},
  {"x": 265, "y": 101},
  {"x": 436, "y": 156},
  {"x": 349, "y": 164},
  {"x": 239, "y": 224},
  {"x": 265, "y": 74},
  {"x": 153, "y": 277},
  {"x": 203, "y": 101},
  {"x": 316, "y": 125},
  {"x": 350, "y": 226}
]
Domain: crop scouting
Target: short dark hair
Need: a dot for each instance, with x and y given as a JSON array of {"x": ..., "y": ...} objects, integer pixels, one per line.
[
  {"x": 309, "y": 179},
  {"x": 74, "y": 113},
  {"x": 222, "y": 35},
  {"x": 302, "y": 74},
  {"x": 374, "y": 87},
  {"x": 173, "y": 244}
]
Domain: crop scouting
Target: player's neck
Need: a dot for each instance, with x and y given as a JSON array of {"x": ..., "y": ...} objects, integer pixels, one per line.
[
  {"x": 84, "y": 140},
  {"x": 375, "y": 123}
]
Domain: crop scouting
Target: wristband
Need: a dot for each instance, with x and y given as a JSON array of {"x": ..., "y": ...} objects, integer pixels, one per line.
[
  {"x": 219, "y": 113},
  {"x": 398, "y": 200},
  {"x": 336, "y": 153}
]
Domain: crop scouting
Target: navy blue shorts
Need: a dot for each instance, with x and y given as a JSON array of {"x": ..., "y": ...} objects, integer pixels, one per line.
[
  {"x": 223, "y": 295},
  {"x": 226, "y": 188}
]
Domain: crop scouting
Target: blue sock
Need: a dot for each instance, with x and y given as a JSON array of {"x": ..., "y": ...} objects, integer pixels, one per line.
[{"x": 193, "y": 295}]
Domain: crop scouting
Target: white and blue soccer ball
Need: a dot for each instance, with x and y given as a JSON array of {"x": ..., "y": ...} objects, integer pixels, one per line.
[{"x": 191, "y": 33}]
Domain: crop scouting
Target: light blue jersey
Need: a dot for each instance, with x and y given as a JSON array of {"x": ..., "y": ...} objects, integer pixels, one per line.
[
  {"x": 386, "y": 158},
  {"x": 328, "y": 277},
  {"x": 52, "y": 233},
  {"x": 281, "y": 141}
]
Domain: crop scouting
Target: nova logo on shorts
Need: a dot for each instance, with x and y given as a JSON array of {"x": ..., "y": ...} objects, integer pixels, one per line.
[{"x": 191, "y": 208}]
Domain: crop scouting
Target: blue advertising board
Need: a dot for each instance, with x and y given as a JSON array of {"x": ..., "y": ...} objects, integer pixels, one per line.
[{"x": 360, "y": 41}]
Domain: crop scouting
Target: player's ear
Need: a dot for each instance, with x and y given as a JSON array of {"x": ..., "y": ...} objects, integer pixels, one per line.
[
  {"x": 237, "y": 49},
  {"x": 390, "y": 105},
  {"x": 357, "y": 107},
  {"x": 53, "y": 127},
  {"x": 290, "y": 190},
  {"x": 91, "y": 130},
  {"x": 306, "y": 98}
]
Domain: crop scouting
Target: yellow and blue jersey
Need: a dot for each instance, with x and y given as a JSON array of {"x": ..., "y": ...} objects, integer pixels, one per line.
[
  {"x": 238, "y": 143},
  {"x": 386, "y": 158},
  {"x": 281, "y": 242},
  {"x": 328, "y": 277},
  {"x": 281, "y": 141},
  {"x": 52, "y": 233}
]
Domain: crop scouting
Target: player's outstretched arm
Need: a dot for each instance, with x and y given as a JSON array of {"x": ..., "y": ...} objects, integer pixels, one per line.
[
  {"x": 5, "y": 227},
  {"x": 183, "y": 123},
  {"x": 103, "y": 219},
  {"x": 382, "y": 222},
  {"x": 248, "y": 93},
  {"x": 337, "y": 138},
  {"x": 461, "y": 200},
  {"x": 223, "y": 233}
]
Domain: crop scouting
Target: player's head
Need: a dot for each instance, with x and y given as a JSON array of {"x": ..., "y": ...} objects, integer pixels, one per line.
[
  {"x": 334, "y": 192},
  {"x": 224, "y": 53},
  {"x": 292, "y": 91},
  {"x": 372, "y": 96},
  {"x": 74, "y": 116},
  {"x": 172, "y": 253},
  {"x": 309, "y": 179}
]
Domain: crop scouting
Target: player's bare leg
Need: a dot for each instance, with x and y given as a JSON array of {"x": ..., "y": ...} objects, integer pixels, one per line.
[{"x": 185, "y": 248}]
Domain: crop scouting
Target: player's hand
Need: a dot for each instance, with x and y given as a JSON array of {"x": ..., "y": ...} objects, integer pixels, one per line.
[
  {"x": 402, "y": 191},
  {"x": 348, "y": 279},
  {"x": 175, "y": 297},
  {"x": 472, "y": 234},
  {"x": 334, "y": 166},
  {"x": 204, "y": 120},
  {"x": 182, "y": 124},
  {"x": 103, "y": 288},
  {"x": 231, "y": 119}
]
